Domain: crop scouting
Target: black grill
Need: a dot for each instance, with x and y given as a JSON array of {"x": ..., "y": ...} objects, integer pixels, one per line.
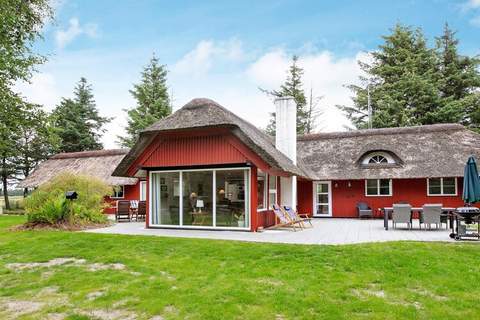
[{"x": 465, "y": 216}]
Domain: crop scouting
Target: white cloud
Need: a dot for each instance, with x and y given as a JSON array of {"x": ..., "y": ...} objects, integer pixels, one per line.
[
  {"x": 270, "y": 69},
  {"x": 64, "y": 37},
  {"x": 471, "y": 4},
  {"x": 232, "y": 79},
  {"x": 323, "y": 72},
  {"x": 200, "y": 60},
  {"x": 42, "y": 89},
  {"x": 475, "y": 21}
]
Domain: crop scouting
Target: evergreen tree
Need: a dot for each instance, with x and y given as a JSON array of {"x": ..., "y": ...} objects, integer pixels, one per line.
[
  {"x": 292, "y": 87},
  {"x": 459, "y": 83},
  {"x": 402, "y": 81},
  {"x": 411, "y": 84},
  {"x": 77, "y": 121},
  {"x": 152, "y": 101}
]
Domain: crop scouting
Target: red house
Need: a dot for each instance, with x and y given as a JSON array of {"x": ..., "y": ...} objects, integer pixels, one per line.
[{"x": 204, "y": 167}]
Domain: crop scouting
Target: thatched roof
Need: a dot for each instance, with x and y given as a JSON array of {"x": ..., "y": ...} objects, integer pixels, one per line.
[
  {"x": 205, "y": 113},
  {"x": 424, "y": 151},
  {"x": 99, "y": 164}
]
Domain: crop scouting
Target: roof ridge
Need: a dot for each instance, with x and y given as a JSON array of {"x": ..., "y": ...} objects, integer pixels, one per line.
[
  {"x": 383, "y": 131},
  {"x": 90, "y": 153}
]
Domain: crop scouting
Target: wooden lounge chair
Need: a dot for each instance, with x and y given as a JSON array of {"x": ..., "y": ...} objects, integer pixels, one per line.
[
  {"x": 142, "y": 211},
  {"x": 283, "y": 219},
  {"x": 295, "y": 216},
  {"x": 123, "y": 211}
]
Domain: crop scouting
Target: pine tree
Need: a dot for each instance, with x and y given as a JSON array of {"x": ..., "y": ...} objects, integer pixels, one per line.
[
  {"x": 153, "y": 102},
  {"x": 411, "y": 84},
  {"x": 77, "y": 121},
  {"x": 292, "y": 87},
  {"x": 402, "y": 80},
  {"x": 459, "y": 83}
]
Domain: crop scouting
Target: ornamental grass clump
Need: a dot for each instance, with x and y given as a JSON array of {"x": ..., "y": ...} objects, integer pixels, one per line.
[{"x": 47, "y": 205}]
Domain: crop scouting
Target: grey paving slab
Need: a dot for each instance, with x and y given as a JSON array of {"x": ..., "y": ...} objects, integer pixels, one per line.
[{"x": 325, "y": 231}]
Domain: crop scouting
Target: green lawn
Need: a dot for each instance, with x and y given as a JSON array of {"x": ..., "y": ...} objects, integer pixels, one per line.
[{"x": 137, "y": 277}]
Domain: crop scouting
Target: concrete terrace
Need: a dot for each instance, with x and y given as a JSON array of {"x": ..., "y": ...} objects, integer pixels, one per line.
[{"x": 325, "y": 231}]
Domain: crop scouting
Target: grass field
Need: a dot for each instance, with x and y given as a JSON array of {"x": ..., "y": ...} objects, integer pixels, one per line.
[{"x": 61, "y": 275}]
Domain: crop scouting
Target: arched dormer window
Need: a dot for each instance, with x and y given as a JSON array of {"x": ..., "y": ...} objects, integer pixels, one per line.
[{"x": 378, "y": 158}]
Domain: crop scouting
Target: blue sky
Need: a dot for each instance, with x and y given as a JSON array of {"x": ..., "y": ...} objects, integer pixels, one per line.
[{"x": 225, "y": 50}]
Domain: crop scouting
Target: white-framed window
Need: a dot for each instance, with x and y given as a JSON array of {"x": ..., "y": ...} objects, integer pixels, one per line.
[
  {"x": 442, "y": 186},
  {"x": 272, "y": 190},
  {"x": 118, "y": 192},
  {"x": 143, "y": 190},
  {"x": 378, "y": 158},
  {"x": 378, "y": 187},
  {"x": 262, "y": 190}
]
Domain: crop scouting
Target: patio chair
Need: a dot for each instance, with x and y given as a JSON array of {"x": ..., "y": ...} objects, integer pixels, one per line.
[
  {"x": 142, "y": 211},
  {"x": 284, "y": 220},
  {"x": 122, "y": 212},
  {"x": 295, "y": 216},
  {"x": 363, "y": 210},
  {"x": 432, "y": 214},
  {"x": 134, "y": 209},
  {"x": 402, "y": 213}
]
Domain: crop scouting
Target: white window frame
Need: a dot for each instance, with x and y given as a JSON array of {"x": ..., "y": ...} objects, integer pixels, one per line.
[
  {"x": 272, "y": 191},
  {"x": 265, "y": 192},
  {"x": 442, "y": 194},
  {"x": 387, "y": 156},
  {"x": 390, "y": 189},
  {"x": 315, "y": 197},
  {"x": 143, "y": 184},
  {"x": 114, "y": 192},
  {"x": 248, "y": 202}
]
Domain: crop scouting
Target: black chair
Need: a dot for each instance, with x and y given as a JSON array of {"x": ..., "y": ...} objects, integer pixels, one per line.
[
  {"x": 142, "y": 211},
  {"x": 363, "y": 210},
  {"x": 123, "y": 211}
]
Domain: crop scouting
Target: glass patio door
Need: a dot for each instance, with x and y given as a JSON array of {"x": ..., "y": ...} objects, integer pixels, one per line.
[{"x": 322, "y": 199}]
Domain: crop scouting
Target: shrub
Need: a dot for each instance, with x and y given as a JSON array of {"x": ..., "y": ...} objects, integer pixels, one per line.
[{"x": 47, "y": 204}]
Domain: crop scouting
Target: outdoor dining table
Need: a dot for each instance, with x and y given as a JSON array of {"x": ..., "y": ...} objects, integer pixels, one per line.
[{"x": 446, "y": 211}]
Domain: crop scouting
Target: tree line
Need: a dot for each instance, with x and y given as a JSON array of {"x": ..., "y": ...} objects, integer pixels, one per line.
[
  {"x": 409, "y": 83},
  {"x": 412, "y": 83}
]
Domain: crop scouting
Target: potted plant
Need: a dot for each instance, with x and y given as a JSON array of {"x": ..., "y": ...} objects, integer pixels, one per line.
[{"x": 240, "y": 219}]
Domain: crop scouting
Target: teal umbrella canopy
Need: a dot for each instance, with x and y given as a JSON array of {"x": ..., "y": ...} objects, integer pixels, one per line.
[{"x": 471, "y": 182}]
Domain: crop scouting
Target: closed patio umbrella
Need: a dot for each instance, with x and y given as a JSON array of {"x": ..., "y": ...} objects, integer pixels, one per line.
[{"x": 471, "y": 182}]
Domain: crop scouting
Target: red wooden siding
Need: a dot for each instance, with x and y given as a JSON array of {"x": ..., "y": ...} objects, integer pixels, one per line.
[
  {"x": 186, "y": 151},
  {"x": 305, "y": 196},
  {"x": 131, "y": 192},
  {"x": 414, "y": 191}
]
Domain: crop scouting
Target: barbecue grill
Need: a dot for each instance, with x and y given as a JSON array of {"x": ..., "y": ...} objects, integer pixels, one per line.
[{"x": 464, "y": 217}]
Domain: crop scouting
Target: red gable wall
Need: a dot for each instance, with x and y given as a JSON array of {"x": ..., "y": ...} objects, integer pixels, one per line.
[
  {"x": 187, "y": 151},
  {"x": 196, "y": 148}
]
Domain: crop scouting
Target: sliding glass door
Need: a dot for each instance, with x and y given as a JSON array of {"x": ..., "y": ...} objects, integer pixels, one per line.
[
  {"x": 210, "y": 198},
  {"x": 164, "y": 198},
  {"x": 197, "y": 198}
]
